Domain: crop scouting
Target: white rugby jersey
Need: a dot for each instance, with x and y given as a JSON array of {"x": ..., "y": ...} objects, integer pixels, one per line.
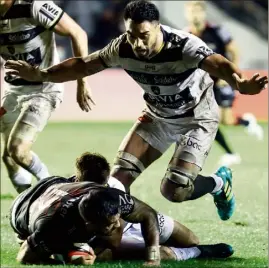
[
  {"x": 25, "y": 34},
  {"x": 172, "y": 81}
]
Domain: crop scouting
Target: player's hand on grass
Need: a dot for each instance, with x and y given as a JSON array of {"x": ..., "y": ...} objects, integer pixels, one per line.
[
  {"x": 84, "y": 98},
  {"x": 24, "y": 70},
  {"x": 251, "y": 86}
]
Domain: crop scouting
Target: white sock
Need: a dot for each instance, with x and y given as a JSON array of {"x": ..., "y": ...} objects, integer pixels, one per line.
[
  {"x": 115, "y": 183},
  {"x": 219, "y": 183},
  {"x": 183, "y": 254},
  {"x": 38, "y": 168},
  {"x": 21, "y": 180}
]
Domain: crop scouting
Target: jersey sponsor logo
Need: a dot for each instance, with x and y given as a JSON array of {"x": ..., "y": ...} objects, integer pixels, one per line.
[
  {"x": 49, "y": 11},
  {"x": 169, "y": 101},
  {"x": 190, "y": 142},
  {"x": 205, "y": 51},
  {"x": 126, "y": 203},
  {"x": 20, "y": 37},
  {"x": 32, "y": 57},
  {"x": 160, "y": 79},
  {"x": 150, "y": 68}
]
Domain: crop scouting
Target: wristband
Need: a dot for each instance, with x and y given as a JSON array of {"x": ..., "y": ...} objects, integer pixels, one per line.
[{"x": 153, "y": 253}]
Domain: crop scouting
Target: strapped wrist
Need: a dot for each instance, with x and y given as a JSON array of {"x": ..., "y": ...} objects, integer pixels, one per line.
[{"x": 153, "y": 253}]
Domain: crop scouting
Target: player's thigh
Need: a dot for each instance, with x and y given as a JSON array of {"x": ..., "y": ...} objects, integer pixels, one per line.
[
  {"x": 191, "y": 151},
  {"x": 181, "y": 237},
  {"x": 147, "y": 140},
  {"x": 33, "y": 117}
]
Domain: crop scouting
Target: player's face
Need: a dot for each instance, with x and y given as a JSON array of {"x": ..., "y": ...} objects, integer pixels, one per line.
[
  {"x": 107, "y": 226},
  {"x": 142, "y": 37},
  {"x": 195, "y": 14}
]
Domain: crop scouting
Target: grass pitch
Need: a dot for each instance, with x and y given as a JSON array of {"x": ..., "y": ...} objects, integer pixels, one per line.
[{"x": 246, "y": 231}]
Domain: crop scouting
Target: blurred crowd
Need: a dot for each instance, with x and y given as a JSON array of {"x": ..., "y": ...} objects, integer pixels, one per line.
[
  {"x": 253, "y": 13},
  {"x": 100, "y": 19}
]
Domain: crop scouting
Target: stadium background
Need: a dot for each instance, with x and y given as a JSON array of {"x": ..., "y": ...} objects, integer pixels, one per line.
[{"x": 119, "y": 102}]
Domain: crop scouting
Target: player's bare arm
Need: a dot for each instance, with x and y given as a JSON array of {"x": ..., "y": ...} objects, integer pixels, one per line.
[
  {"x": 68, "y": 27},
  {"x": 218, "y": 66},
  {"x": 147, "y": 217},
  {"x": 68, "y": 70}
]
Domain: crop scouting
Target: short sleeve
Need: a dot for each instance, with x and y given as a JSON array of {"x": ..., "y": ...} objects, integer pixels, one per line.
[
  {"x": 224, "y": 35},
  {"x": 110, "y": 54},
  {"x": 195, "y": 51},
  {"x": 46, "y": 13}
]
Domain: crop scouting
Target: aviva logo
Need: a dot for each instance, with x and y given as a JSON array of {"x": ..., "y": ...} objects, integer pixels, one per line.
[{"x": 49, "y": 11}]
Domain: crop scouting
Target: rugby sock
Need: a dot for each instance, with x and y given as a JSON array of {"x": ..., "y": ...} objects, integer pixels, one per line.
[
  {"x": 222, "y": 142},
  {"x": 241, "y": 121},
  {"x": 21, "y": 180},
  {"x": 183, "y": 254},
  {"x": 37, "y": 168},
  {"x": 219, "y": 183},
  {"x": 202, "y": 185}
]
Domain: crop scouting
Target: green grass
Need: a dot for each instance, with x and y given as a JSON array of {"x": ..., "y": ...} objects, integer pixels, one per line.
[{"x": 247, "y": 232}]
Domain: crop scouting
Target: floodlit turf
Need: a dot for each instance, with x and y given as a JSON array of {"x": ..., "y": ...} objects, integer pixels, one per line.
[{"x": 247, "y": 232}]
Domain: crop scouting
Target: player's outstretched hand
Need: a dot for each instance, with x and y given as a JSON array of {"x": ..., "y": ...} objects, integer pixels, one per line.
[
  {"x": 23, "y": 69},
  {"x": 156, "y": 263},
  {"x": 84, "y": 98},
  {"x": 251, "y": 86}
]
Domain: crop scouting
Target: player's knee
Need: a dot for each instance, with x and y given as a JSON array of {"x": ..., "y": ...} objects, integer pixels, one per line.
[
  {"x": 167, "y": 253},
  {"x": 177, "y": 186},
  {"x": 127, "y": 168}
]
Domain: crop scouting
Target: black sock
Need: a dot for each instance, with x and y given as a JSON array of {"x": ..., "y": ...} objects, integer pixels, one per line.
[
  {"x": 202, "y": 185},
  {"x": 220, "y": 139},
  {"x": 243, "y": 122}
]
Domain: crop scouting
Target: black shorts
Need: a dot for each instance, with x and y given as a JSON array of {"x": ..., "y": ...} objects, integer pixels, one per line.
[{"x": 224, "y": 96}]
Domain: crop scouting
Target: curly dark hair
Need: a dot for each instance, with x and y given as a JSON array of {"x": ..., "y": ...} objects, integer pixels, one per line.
[
  {"x": 92, "y": 167},
  {"x": 141, "y": 10}
]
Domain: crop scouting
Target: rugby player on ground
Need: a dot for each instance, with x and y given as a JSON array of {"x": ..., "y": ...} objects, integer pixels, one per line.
[
  {"x": 56, "y": 213},
  {"x": 178, "y": 242},
  {"x": 220, "y": 41},
  {"x": 173, "y": 67},
  {"x": 27, "y": 33}
]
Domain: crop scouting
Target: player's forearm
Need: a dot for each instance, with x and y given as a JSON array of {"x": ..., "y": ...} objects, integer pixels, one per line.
[
  {"x": 220, "y": 67},
  {"x": 68, "y": 70},
  {"x": 80, "y": 46}
]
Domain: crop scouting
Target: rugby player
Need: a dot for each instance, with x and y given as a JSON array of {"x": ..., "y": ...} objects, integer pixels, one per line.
[
  {"x": 220, "y": 41},
  {"x": 173, "y": 67},
  {"x": 56, "y": 213},
  {"x": 27, "y": 33},
  {"x": 178, "y": 242}
]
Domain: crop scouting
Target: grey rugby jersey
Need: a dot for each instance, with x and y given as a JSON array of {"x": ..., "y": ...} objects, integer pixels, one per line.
[
  {"x": 25, "y": 34},
  {"x": 172, "y": 81}
]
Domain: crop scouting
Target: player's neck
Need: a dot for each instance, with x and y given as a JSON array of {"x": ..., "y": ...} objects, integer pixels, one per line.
[
  {"x": 5, "y": 5},
  {"x": 197, "y": 29}
]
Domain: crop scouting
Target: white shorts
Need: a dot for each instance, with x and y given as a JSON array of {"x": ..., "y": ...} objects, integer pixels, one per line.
[
  {"x": 193, "y": 135},
  {"x": 33, "y": 109},
  {"x": 132, "y": 237}
]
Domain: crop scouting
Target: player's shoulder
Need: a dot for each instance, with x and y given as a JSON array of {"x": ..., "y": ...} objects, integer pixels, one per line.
[{"x": 177, "y": 37}]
